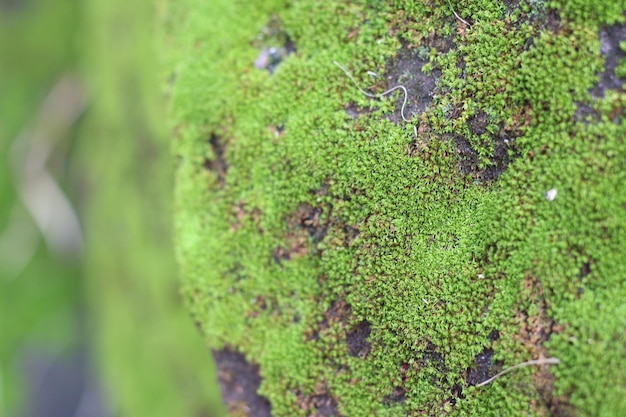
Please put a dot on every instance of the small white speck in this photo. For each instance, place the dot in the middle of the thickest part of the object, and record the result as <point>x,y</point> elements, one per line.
<point>551,194</point>
<point>263,60</point>
<point>481,276</point>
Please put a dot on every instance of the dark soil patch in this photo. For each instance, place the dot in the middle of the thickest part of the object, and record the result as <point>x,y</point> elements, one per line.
<point>241,212</point>
<point>218,164</point>
<point>355,111</point>
<point>239,382</point>
<point>277,130</point>
<point>585,270</point>
<point>478,123</point>
<point>338,313</point>
<point>296,248</point>
<point>470,161</point>
<point>545,19</point>
<point>350,234</point>
<point>308,218</point>
<point>406,69</point>
<point>356,338</point>
<point>511,5</point>
<point>503,143</point>
<point>610,37</point>
<point>561,407</point>
<point>436,41</point>
<point>12,6</point>
<point>585,113</point>
<point>457,392</point>
<point>479,371</point>
<point>398,395</point>
<point>304,228</point>
<point>540,17</point>
<point>533,332</point>
<point>319,404</point>
<point>431,357</point>
<point>494,335</point>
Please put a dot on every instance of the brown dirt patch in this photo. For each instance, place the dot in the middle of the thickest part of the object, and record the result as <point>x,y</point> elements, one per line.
<point>504,145</point>
<point>398,395</point>
<point>480,370</point>
<point>356,338</point>
<point>218,164</point>
<point>321,403</point>
<point>533,332</point>
<point>406,69</point>
<point>239,382</point>
<point>240,211</point>
<point>304,228</point>
<point>338,314</point>
<point>432,357</point>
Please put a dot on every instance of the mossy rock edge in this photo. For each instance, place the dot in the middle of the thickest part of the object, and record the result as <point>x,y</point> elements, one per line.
<point>340,260</point>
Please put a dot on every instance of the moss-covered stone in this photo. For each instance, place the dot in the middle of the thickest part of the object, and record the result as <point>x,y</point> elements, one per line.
<point>372,266</point>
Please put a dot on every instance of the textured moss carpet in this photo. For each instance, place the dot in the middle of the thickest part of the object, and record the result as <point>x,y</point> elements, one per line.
<point>352,256</point>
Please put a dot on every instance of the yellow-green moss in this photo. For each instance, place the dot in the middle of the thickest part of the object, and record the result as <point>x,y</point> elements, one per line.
<point>445,255</point>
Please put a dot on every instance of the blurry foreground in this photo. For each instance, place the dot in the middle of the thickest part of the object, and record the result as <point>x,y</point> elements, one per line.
<point>90,319</point>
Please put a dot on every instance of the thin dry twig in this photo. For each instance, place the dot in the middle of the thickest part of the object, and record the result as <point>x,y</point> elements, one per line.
<point>392,89</point>
<point>546,361</point>
<point>457,16</point>
<point>397,87</point>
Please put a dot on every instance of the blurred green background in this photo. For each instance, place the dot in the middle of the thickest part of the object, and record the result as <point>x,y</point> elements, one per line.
<point>91,322</point>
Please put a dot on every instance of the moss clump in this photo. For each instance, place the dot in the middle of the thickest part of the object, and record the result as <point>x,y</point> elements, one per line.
<point>368,270</point>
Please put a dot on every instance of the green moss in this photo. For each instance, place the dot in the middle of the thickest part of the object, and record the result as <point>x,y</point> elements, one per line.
<point>591,12</point>
<point>153,361</point>
<point>431,256</point>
